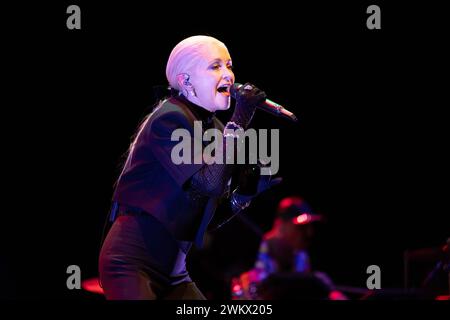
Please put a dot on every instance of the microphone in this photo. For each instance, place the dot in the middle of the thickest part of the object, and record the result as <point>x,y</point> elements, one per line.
<point>267,106</point>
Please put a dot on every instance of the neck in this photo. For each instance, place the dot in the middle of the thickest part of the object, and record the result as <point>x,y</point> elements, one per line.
<point>202,113</point>
<point>195,101</point>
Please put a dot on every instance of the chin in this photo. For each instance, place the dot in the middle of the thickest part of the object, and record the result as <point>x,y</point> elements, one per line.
<point>226,107</point>
<point>223,106</point>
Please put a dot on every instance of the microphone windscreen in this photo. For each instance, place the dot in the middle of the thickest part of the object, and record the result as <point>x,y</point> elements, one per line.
<point>234,89</point>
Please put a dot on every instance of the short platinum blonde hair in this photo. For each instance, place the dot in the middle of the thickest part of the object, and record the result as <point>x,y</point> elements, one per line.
<point>185,55</point>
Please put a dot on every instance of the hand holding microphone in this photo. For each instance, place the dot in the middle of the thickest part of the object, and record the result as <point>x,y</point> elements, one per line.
<point>247,98</point>
<point>249,94</point>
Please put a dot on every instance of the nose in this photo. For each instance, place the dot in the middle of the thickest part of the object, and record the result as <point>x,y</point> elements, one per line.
<point>228,75</point>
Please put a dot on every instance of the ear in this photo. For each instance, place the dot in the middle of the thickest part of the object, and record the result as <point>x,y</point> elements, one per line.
<point>183,81</point>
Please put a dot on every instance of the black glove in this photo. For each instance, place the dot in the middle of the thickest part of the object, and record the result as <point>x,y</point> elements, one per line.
<point>251,184</point>
<point>247,98</point>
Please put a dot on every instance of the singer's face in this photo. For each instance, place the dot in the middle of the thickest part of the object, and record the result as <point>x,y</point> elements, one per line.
<point>211,78</point>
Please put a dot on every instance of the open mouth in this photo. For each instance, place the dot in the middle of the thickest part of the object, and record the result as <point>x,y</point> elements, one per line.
<point>224,89</point>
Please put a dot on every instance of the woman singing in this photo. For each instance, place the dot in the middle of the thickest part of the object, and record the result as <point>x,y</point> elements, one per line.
<point>160,208</point>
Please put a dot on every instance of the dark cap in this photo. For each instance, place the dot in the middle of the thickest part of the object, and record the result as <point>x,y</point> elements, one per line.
<point>298,210</point>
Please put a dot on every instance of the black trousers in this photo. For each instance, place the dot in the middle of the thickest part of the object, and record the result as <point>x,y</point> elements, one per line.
<point>140,260</point>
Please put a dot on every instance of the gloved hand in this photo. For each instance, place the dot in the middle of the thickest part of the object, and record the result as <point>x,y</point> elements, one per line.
<point>251,184</point>
<point>247,98</point>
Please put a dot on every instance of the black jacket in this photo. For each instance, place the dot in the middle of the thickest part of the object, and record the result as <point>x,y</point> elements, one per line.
<point>152,182</point>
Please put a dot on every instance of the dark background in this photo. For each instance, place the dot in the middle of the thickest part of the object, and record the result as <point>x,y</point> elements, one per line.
<point>368,151</point>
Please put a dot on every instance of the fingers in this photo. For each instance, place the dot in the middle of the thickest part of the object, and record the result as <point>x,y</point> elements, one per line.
<point>251,92</point>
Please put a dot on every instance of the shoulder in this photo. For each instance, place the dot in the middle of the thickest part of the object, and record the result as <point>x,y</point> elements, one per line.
<point>171,114</point>
<point>173,108</point>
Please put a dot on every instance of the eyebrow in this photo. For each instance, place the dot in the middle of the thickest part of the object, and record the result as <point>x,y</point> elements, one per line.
<point>219,60</point>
